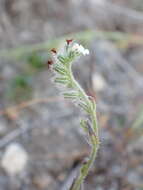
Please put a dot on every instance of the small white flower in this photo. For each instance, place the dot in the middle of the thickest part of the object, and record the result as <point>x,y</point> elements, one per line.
<point>79,49</point>
<point>86,52</point>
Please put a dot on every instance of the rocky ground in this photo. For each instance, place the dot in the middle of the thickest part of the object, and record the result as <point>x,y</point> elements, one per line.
<point>42,129</point>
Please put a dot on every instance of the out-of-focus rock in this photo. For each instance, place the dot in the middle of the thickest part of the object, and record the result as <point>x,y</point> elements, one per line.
<point>135,57</point>
<point>2,128</point>
<point>100,2</point>
<point>14,159</point>
<point>130,4</point>
<point>136,145</point>
<point>43,181</point>
<point>98,82</point>
<point>8,71</point>
<point>134,178</point>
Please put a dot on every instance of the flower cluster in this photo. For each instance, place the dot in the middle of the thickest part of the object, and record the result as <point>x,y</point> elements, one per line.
<point>63,61</point>
<point>71,51</point>
<point>79,49</point>
<point>63,73</point>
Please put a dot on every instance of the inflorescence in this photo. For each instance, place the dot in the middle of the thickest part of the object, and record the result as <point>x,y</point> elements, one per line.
<point>61,64</point>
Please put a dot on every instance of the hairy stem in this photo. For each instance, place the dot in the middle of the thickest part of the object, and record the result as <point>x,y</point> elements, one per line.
<point>84,170</point>
<point>94,139</point>
<point>64,76</point>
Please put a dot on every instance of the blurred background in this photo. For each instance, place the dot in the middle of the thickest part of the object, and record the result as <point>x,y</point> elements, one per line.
<point>41,144</point>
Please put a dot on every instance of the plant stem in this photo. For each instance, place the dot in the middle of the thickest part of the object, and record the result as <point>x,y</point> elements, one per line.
<point>64,75</point>
<point>95,142</point>
<point>83,175</point>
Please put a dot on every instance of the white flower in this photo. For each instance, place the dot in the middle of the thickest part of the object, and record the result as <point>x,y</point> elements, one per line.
<point>86,52</point>
<point>79,49</point>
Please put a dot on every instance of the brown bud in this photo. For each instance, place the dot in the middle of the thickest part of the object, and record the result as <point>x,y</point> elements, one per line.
<point>54,51</point>
<point>49,62</point>
<point>69,41</point>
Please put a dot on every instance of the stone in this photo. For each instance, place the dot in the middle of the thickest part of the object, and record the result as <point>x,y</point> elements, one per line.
<point>14,159</point>
<point>98,82</point>
<point>3,128</point>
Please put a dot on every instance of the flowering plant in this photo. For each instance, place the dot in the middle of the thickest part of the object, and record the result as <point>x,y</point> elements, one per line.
<point>62,66</point>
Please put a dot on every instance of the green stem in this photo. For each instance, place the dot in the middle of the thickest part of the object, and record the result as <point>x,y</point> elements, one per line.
<point>86,99</point>
<point>94,137</point>
<point>85,169</point>
<point>88,105</point>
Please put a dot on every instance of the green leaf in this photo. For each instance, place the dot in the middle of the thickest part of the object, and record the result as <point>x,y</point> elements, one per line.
<point>70,95</point>
<point>83,124</point>
<point>85,107</point>
<point>62,59</point>
<point>61,80</point>
<point>60,70</point>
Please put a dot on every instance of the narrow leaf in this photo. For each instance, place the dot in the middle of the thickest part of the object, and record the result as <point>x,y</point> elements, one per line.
<point>84,106</point>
